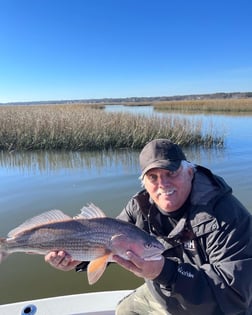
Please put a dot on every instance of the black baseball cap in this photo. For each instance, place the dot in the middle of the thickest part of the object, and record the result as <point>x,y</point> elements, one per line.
<point>161,153</point>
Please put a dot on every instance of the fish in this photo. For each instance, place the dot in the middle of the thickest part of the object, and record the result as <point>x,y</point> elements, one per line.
<point>89,236</point>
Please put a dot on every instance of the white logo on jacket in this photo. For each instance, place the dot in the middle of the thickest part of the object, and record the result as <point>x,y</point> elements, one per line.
<point>189,245</point>
<point>185,273</point>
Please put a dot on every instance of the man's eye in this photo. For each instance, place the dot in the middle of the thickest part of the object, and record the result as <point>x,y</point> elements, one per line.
<point>152,177</point>
<point>172,174</point>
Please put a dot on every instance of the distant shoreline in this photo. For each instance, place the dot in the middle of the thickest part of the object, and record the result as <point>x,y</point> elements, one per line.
<point>200,105</point>
<point>138,100</point>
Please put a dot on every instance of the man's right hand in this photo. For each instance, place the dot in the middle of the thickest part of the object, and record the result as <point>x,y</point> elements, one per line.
<point>61,260</point>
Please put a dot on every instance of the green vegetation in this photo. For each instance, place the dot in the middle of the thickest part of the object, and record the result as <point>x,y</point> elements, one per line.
<point>78,127</point>
<point>207,105</point>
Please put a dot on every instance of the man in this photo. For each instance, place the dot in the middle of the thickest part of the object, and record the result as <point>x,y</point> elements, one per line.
<point>207,265</point>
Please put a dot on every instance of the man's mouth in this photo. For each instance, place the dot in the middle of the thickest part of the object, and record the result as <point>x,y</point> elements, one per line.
<point>167,192</point>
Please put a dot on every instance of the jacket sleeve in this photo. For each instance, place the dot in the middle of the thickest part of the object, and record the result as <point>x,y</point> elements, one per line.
<point>224,283</point>
<point>82,266</point>
<point>128,214</point>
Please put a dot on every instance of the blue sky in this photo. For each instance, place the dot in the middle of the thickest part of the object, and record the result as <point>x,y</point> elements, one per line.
<point>81,49</point>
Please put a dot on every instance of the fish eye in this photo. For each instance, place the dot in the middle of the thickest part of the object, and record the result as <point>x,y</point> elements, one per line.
<point>147,245</point>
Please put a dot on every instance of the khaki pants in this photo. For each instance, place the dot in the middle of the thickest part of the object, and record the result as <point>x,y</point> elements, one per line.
<point>140,302</point>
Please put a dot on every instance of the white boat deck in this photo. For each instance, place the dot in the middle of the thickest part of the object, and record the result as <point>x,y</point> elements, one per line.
<point>97,303</point>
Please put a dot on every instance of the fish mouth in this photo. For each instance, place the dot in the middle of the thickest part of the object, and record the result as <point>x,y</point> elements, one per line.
<point>157,256</point>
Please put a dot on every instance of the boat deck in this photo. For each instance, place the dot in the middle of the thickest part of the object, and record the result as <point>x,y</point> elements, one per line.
<point>97,303</point>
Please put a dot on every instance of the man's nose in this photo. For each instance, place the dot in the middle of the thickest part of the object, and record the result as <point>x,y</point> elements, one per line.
<point>163,181</point>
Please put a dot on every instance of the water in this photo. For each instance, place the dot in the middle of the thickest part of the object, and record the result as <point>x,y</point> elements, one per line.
<point>35,182</point>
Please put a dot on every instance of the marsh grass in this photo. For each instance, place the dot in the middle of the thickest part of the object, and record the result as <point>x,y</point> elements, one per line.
<point>207,105</point>
<point>76,127</point>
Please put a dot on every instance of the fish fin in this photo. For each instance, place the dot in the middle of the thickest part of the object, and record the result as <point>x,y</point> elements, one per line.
<point>3,252</point>
<point>89,212</point>
<point>43,218</point>
<point>96,268</point>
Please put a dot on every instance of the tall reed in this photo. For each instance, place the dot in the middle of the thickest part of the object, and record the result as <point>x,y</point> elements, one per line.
<point>67,127</point>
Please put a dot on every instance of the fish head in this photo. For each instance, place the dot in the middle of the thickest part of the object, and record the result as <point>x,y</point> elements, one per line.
<point>146,247</point>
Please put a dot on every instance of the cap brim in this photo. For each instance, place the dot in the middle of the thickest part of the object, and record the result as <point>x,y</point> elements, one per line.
<point>164,164</point>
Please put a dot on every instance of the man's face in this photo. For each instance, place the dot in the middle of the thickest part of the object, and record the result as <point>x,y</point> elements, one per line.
<point>169,190</point>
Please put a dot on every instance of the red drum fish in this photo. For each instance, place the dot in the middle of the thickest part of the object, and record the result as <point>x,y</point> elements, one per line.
<point>90,236</point>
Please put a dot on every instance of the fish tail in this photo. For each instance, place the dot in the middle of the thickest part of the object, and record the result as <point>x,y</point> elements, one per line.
<point>3,252</point>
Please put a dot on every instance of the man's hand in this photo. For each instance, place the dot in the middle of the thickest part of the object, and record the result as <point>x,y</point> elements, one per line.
<point>61,260</point>
<point>140,267</point>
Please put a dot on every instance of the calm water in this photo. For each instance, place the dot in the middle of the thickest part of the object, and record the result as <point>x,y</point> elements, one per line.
<point>35,182</point>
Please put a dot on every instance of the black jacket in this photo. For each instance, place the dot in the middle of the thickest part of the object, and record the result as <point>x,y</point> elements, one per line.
<point>208,266</point>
